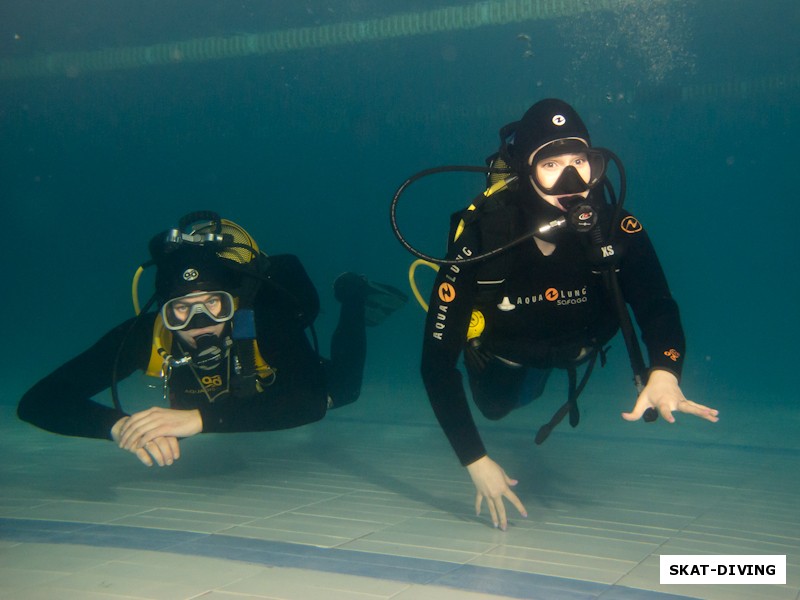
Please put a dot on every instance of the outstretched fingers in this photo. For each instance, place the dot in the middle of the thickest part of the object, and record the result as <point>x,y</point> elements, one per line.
<point>512,497</point>
<point>493,484</point>
<point>478,503</point>
<point>497,507</point>
<point>699,410</point>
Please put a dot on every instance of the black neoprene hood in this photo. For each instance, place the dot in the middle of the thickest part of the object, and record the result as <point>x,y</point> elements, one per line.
<point>189,269</point>
<point>546,121</point>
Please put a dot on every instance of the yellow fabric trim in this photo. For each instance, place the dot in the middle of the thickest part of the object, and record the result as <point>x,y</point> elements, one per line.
<point>162,340</point>
<point>493,189</point>
<point>262,368</point>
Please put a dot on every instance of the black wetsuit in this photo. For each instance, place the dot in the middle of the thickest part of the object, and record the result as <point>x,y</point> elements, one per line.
<point>540,313</point>
<point>62,401</point>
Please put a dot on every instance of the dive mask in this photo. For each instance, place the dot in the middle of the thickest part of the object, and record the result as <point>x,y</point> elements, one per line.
<point>566,166</point>
<point>199,309</point>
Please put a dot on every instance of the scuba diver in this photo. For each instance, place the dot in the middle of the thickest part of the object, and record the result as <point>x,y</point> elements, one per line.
<point>538,273</point>
<point>229,341</point>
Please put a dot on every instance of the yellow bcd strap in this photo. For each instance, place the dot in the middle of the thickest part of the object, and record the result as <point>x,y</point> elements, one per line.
<point>262,368</point>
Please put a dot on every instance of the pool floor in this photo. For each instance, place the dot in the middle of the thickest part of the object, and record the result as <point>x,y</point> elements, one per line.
<point>363,505</point>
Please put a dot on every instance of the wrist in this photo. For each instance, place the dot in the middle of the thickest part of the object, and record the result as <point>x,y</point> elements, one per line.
<point>659,375</point>
<point>478,462</point>
<point>198,421</point>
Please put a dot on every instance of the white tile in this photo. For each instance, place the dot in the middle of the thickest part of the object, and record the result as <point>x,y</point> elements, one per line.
<point>183,520</point>
<point>63,558</point>
<point>430,540</point>
<point>367,544</point>
<point>81,512</point>
<point>295,584</point>
<point>313,538</point>
<point>13,581</point>
<point>418,592</point>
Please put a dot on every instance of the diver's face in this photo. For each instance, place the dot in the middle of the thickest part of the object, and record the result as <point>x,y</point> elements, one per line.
<point>546,173</point>
<point>181,309</point>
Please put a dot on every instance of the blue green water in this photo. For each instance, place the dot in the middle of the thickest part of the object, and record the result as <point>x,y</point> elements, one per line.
<point>305,149</point>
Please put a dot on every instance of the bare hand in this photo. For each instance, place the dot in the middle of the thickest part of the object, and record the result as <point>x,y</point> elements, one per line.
<point>145,426</point>
<point>664,395</point>
<point>493,484</point>
<point>163,450</point>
